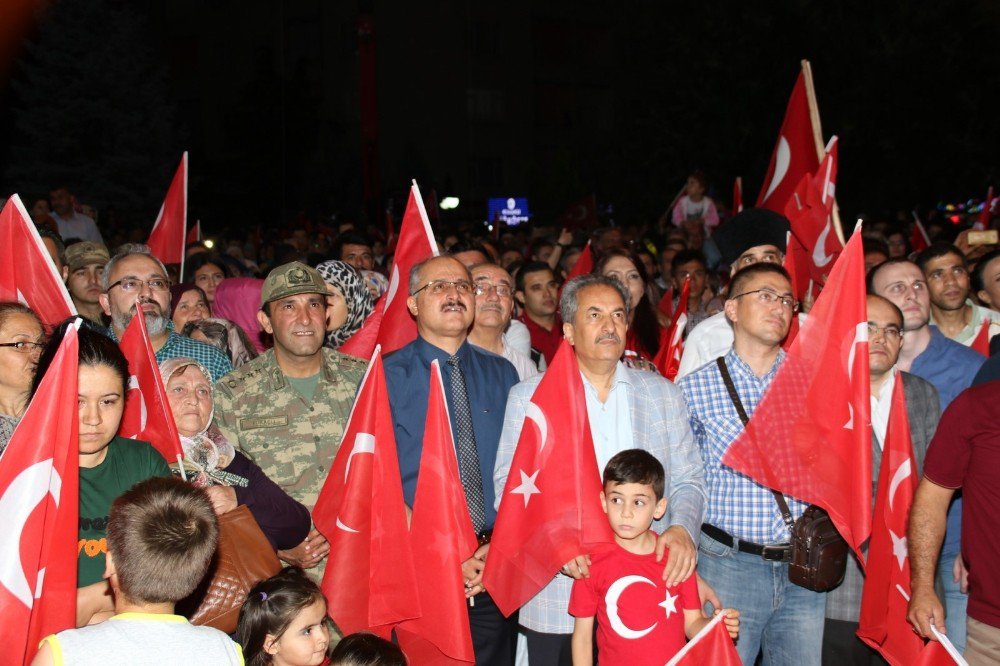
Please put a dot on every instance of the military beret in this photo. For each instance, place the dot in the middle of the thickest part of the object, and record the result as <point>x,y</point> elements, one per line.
<point>289,280</point>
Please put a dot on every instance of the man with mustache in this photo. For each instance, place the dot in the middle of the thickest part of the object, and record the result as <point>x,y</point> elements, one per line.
<point>494,291</point>
<point>744,540</point>
<point>627,409</point>
<point>134,279</point>
<point>476,382</point>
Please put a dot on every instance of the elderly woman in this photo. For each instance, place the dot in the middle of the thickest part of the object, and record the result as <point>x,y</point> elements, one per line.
<point>187,303</point>
<point>21,342</point>
<point>225,336</point>
<point>229,477</point>
<point>349,300</point>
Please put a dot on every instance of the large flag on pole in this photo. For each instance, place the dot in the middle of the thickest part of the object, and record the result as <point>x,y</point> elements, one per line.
<point>396,327</point>
<point>883,623</point>
<point>668,359</point>
<point>370,580</point>
<point>169,234</point>
<point>810,436</point>
<point>27,273</point>
<point>147,411</point>
<point>810,213</point>
<point>550,510</point>
<point>442,537</point>
<point>39,511</point>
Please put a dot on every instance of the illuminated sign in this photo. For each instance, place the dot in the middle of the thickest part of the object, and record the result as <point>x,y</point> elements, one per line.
<point>509,210</point>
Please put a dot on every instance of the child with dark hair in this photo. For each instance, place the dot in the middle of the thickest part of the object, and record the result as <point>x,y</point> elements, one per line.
<point>162,535</point>
<point>283,622</point>
<point>364,649</point>
<point>640,620</point>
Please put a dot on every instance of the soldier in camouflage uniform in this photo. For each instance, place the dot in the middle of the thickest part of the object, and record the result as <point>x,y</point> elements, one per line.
<point>287,408</point>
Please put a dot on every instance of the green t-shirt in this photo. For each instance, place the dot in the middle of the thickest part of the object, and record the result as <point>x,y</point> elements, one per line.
<point>128,462</point>
<point>306,386</point>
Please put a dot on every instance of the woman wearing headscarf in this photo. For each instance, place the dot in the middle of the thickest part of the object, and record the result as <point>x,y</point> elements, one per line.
<point>238,300</point>
<point>349,300</point>
<point>228,476</point>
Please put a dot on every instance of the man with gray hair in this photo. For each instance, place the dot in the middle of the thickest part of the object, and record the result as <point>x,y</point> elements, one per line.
<point>135,279</point>
<point>627,409</point>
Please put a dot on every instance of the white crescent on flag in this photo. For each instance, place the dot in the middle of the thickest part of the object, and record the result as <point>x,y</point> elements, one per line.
<point>23,495</point>
<point>783,159</point>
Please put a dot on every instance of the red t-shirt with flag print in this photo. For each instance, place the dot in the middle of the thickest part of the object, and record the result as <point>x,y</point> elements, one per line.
<point>639,619</point>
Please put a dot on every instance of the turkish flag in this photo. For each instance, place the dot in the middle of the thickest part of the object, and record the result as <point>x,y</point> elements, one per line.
<point>794,155</point>
<point>416,243</point>
<point>712,645</point>
<point>810,436</point>
<point>39,511</point>
<point>666,304</point>
<point>442,537</point>
<point>737,196</point>
<point>810,213</point>
<point>370,579</point>
<point>194,235</point>
<point>919,240</point>
<point>364,341</point>
<point>668,359</point>
<point>939,652</point>
<point>147,412</point>
<point>580,215</point>
<point>797,266</point>
<point>27,273</point>
<point>584,263</point>
<point>169,234</point>
<point>981,342</point>
<point>883,623</point>
<point>550,510</point>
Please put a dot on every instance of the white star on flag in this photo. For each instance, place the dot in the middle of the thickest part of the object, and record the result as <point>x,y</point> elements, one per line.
<point>898,548</point>
<point>669,604</point>
<point>527,487</point>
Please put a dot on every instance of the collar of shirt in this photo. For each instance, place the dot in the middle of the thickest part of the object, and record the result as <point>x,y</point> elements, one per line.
<point>881,406</point>
<point>429,352</point>
<point>741,367</point>
<point>611,420</point>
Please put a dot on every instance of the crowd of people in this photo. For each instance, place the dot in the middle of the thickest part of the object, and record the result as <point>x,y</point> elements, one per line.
<point>247,342</point>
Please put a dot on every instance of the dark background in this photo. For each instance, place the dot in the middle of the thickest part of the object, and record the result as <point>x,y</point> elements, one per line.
<point>552,100</point>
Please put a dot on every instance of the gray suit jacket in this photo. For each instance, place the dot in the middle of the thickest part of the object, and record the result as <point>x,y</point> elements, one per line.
<point>923,410</point>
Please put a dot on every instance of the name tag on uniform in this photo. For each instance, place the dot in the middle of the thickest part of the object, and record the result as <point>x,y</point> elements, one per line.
<point>263,422</point>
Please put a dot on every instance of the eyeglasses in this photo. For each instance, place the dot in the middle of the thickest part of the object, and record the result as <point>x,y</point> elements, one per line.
<point>502,290</point>
<point>129,285</point>
<point>438,287</point>
<point>24,347</point>
<point>890,333</point>
<point>768,297</point>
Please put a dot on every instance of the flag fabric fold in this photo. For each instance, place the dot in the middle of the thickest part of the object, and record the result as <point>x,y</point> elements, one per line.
<point>981,341</point>
<point>27,273</point>
<point>39,510</point>
<point>550,510</point>
<point>810,436</point>
<point>810,214</point>
<point>147,411</point>
<point>712,645</point>
<point>883,624</point>
<point>584,263</point>
<point>940,652</point>
<point>194,235</point>
<point>370,579</point>
<point>442,537</point>
<point>169,234</point>
<point>737,196</point>
<point>668,358</point>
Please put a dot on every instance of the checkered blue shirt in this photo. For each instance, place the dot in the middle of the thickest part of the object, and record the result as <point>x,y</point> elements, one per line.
<point>736,504</point>
<point>213,360</point>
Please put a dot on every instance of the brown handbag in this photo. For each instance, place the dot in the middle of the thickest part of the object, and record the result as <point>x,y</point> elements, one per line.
<point>818,558</point>
<point>244,557</point>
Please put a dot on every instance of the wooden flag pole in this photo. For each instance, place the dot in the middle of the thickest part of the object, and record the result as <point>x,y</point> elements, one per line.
<point>818,138</point>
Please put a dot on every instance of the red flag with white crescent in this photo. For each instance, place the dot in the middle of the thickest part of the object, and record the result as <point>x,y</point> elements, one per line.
<point>27,273</point>
<point>580,215</point>
<point>39,511</point>
<point>810,213</point>
<point>584,263</point>
<point>169,234</point>
<point>370,579</point>
<point>442,537</point>
<point>550,510</point>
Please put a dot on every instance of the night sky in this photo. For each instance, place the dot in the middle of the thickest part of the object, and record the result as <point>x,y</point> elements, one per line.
<point>329,108</point>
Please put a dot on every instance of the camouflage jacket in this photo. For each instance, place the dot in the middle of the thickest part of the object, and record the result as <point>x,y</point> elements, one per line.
<point>293,440</point>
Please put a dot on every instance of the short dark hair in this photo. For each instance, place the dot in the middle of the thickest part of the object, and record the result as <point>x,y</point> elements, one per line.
<point>700,176</point>
<point>200,260</point>
<point>979,275</point>
<point>365,649</point>
<point>636,466</point>
<point>45,232</point>
<point>531,267</point>
<point>870,278</point>
<point>162,535</point>
<point>687,256</point>
<point>871,244</point>
<point>890,304</point>
<point>466,245</point>
<point>747,273</point>
<point>349,238</point>
<point>938,249</point>
<point>270,607</point>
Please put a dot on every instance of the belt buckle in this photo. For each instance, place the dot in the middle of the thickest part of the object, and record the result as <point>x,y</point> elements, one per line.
<point>777,552</point>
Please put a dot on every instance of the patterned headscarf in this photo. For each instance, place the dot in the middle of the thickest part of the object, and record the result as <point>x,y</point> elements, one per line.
<point>359,300</point>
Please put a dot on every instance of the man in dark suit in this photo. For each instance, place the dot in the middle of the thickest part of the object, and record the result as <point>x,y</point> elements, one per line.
<point>885,337</point>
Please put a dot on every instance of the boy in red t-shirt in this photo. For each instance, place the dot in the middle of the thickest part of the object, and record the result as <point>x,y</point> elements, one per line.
<point>639,619</point>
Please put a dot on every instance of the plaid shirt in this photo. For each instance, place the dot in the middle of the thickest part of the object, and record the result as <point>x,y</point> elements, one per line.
<point>736,504</point>
<point>217,363</point>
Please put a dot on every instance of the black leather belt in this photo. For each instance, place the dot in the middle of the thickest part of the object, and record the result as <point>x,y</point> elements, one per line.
<point>776,552</point>
<point>484,537</point>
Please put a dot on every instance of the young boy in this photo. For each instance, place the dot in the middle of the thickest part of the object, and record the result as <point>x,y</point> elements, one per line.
<point>162,535</point>
<point>639,619</point>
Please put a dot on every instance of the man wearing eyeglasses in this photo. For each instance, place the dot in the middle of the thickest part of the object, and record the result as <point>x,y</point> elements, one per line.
<point>744,540</point>
<point>135,279</point>
<point>950,367</point>
<point>494,290</point>
<point>947,275</point>
<point>885,338</point>
<point>476,382</point>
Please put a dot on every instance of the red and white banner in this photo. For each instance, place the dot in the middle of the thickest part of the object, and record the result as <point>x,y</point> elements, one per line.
<point>580,215</point>
<point>27,273</point>
<point>169,234</point>
<point>668,359</point>
<point>810,213</point>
